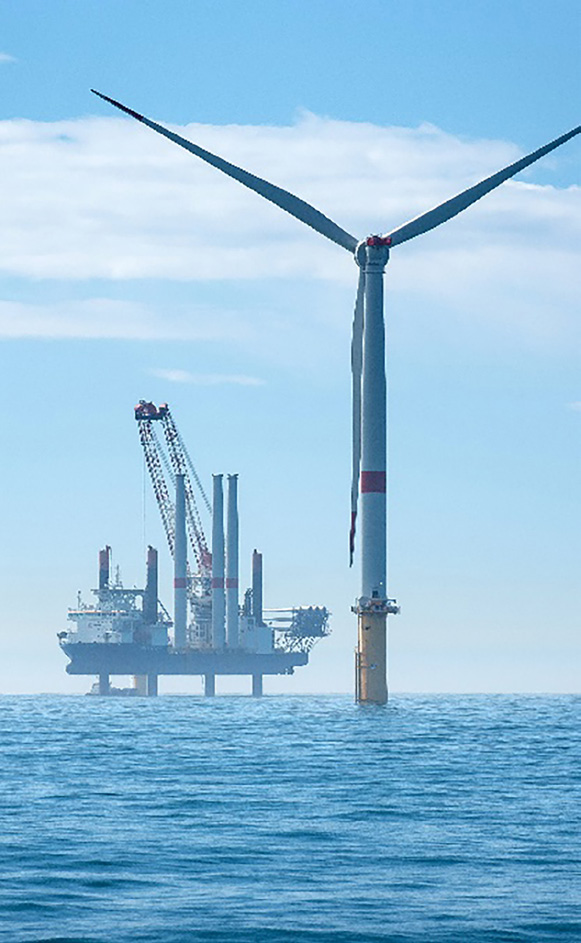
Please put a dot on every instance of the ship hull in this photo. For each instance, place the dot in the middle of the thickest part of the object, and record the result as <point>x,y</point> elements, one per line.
<point>90,658</point>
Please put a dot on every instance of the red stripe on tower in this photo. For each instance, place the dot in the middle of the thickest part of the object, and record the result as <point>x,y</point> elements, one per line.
<point>231,583</point>
<point>373,481</point>
<point>218,582</point>
<point>179,583</point>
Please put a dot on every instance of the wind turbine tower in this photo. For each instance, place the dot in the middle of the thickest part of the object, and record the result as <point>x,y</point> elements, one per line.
<point>369,382</point>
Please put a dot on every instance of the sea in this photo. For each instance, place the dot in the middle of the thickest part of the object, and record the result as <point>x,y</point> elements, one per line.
<point>448,819</point>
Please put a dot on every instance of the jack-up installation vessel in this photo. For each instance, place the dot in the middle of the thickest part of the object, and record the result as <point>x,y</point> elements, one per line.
<point>129,632</point>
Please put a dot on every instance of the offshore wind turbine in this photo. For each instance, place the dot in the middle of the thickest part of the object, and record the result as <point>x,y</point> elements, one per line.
<point>369,382</point>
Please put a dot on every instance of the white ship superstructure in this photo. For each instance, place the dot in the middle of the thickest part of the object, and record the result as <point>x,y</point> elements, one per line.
<point>120,616</point>
<point>119,626</point>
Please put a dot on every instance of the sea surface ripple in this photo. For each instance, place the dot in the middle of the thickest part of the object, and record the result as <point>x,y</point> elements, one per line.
<point>450,819</point>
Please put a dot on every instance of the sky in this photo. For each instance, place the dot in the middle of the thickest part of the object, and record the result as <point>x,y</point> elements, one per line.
<point>130,270</point>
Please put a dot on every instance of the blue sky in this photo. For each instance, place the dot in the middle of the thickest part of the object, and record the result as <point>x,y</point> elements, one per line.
<point>130,270</point>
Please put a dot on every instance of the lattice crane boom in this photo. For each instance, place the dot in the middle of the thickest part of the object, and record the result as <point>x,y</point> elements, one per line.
<point>176,462</point>
<point>153,462</point>
<point>181,465</point>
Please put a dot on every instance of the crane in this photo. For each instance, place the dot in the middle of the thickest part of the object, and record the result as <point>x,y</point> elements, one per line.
<point>163,464</point>
<point>294,629</point>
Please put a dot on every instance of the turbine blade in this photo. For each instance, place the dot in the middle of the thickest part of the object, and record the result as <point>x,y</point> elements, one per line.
<point>356,372</point>
<point>445,211</point>
<point>282,198</point>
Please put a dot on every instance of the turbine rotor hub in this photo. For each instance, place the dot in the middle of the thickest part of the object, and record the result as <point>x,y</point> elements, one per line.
<point>372,254</point>
<point>372,251</point>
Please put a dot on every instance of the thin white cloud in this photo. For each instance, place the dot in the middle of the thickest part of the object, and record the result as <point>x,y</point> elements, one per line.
<point>105,198</point>
<point>110,318</point>
<point>274,336</point>
<point>206,379</point>
<point>5,57</point>
<point>575,406</point>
